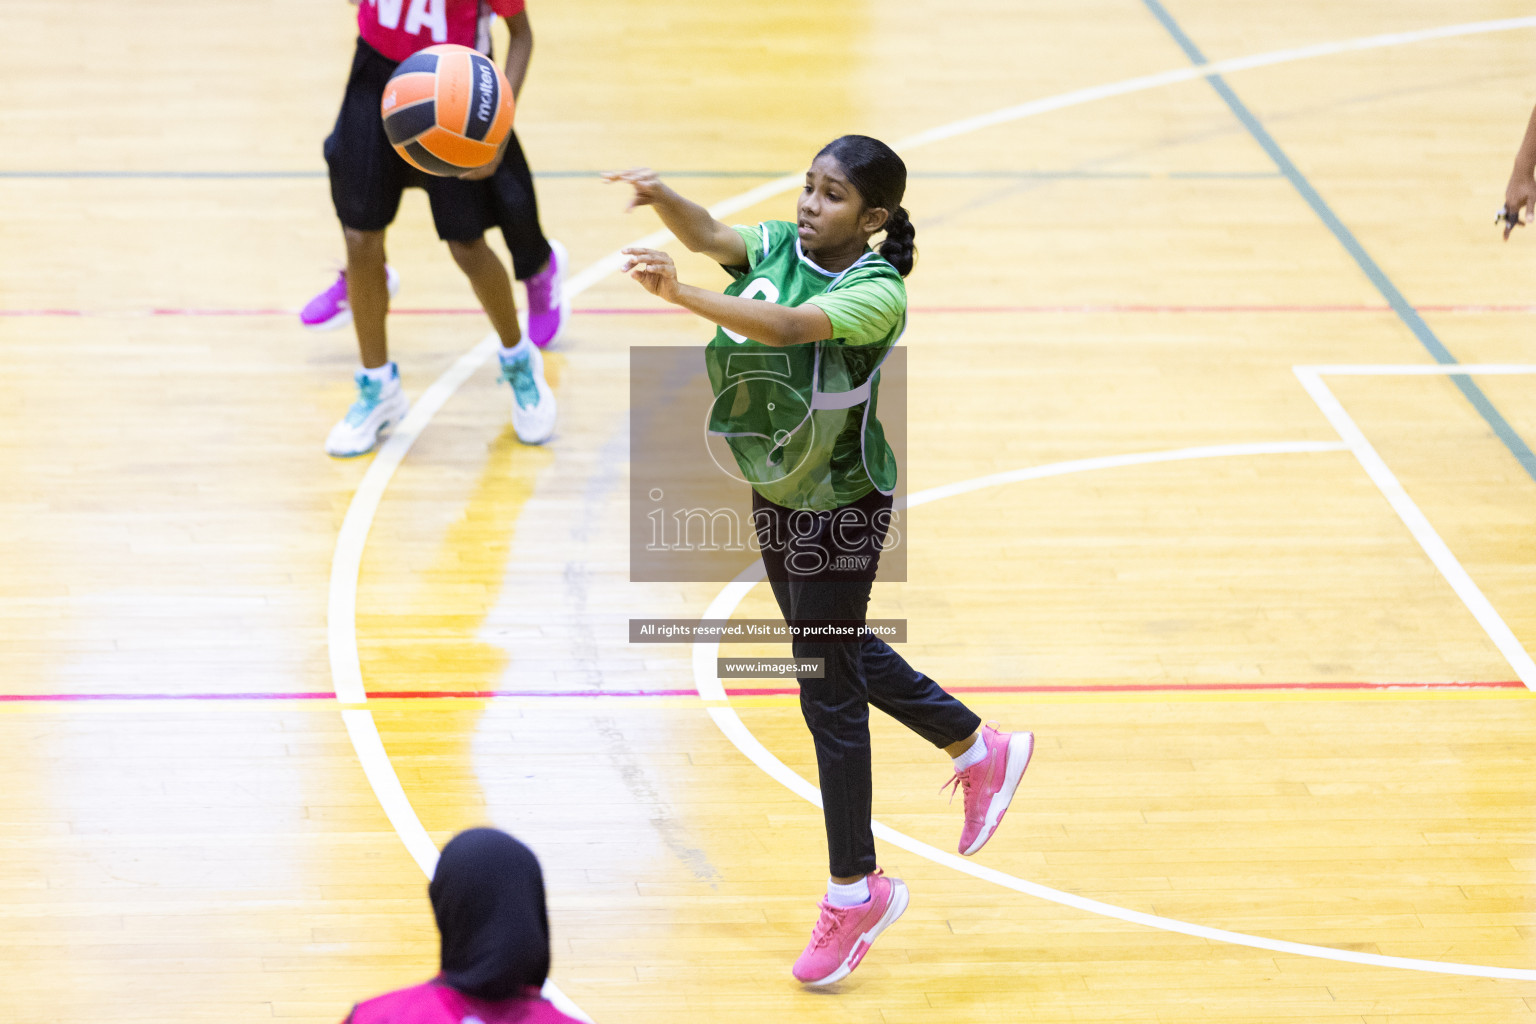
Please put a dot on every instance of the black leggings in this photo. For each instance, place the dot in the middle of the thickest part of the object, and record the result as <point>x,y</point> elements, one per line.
<point>858,673</point>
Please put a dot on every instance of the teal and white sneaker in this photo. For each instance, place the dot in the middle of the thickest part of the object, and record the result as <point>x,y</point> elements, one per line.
<point>533,403</point>
<point>380,404</point>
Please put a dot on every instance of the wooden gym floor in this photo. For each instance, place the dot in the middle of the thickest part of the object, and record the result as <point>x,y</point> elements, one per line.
<point>1273,641</point>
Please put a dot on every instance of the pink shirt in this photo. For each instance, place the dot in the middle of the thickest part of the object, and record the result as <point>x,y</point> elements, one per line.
<point>436,1003</point>
<point>398,28</point>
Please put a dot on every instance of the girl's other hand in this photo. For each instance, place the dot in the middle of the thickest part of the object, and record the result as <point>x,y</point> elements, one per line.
<point>1519,197</point>
<point>481,173</point>
<point>646,183</point>
<point>654,270</point>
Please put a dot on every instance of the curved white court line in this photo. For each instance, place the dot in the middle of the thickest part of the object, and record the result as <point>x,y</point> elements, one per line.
<point>341,618</point>
<point>725,602</point>
<point>712,689</point>
<point>1221,67</point>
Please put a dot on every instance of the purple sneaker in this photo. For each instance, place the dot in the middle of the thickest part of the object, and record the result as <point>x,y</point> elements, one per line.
<point>548,307</point>
<point>330,310</point>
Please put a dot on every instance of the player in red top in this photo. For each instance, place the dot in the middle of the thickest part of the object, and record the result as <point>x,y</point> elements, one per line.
<point>398,28</point>
<point>367,178</point>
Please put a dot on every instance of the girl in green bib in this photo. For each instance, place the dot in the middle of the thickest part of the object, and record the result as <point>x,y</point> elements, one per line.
<point>800,335</point>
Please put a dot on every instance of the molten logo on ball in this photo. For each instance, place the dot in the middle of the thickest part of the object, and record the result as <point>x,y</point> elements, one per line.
<point>487,90</point>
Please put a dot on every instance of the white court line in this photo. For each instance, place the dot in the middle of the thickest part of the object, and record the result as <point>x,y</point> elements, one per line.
<point>386,786</point>
<point>704,667</point>
<point>341,619</point>
<point>1214,451</point>
<point>711,688</point>
<point>1439,553</point>
<point>1420,369</point>
<point>346,559</point>
<point>1222,67</point>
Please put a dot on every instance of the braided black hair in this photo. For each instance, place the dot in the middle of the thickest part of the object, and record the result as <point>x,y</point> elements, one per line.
<point>880,177</point>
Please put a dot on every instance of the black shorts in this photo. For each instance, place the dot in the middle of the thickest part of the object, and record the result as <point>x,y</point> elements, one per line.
<point>368,176</point>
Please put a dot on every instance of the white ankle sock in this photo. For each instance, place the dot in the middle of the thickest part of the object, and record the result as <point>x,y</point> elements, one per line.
<point>975,755</point>
<point>508,354</point>
<point>382,374</point>
<point>850,895</point>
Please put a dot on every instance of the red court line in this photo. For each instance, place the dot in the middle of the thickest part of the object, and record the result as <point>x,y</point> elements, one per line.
<point>264,695</point>
<point>1067,308</point>
<point>764,691</point>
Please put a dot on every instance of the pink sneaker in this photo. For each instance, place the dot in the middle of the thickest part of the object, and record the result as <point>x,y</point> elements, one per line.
<point>989,784</point>
<point>844,934</point>
<point>330,310</point>
<point>548,308</point>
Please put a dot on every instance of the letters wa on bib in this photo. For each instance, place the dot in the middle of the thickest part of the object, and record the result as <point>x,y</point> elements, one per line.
<point>399,28</point>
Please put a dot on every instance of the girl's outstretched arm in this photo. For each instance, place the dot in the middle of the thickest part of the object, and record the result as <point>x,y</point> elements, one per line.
<point>691,223</point>
<point>767,322</point>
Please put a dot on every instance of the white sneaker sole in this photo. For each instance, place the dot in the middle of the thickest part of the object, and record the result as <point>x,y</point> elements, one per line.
<point>390,412</point>
<point>1021,747</point>
<point>898,906</point>
<point>341,319</point>
<point>536,433</point>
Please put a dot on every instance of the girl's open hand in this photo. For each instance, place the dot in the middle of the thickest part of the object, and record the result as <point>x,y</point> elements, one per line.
<point>647,185</point>
<point>654,270</point>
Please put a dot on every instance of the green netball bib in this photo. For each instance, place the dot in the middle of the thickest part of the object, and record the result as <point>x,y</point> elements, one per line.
<point>800,420</point>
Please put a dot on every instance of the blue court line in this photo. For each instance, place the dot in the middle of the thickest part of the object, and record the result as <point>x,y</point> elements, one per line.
<point>1405,312</point>
<point>1043,175</point>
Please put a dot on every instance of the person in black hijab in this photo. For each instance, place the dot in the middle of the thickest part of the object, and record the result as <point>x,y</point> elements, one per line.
<point>488,897</point>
